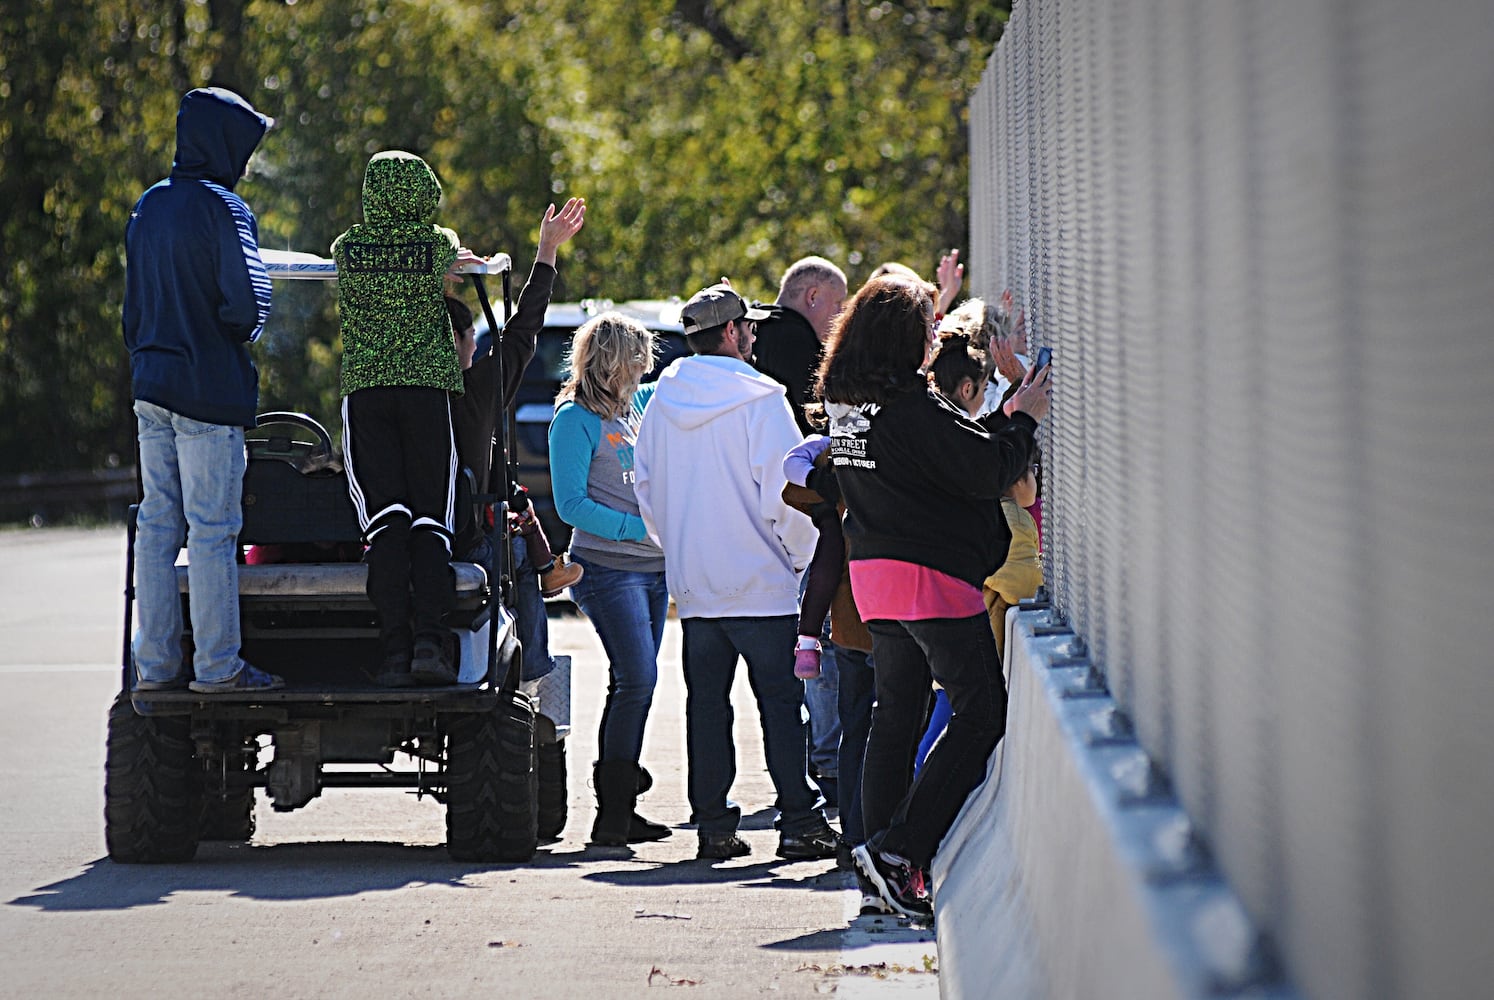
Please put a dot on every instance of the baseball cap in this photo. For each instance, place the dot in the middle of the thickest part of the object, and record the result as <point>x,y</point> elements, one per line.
<point>717,306</point>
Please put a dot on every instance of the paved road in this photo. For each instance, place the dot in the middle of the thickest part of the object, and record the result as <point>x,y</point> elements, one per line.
<point>354,896</point>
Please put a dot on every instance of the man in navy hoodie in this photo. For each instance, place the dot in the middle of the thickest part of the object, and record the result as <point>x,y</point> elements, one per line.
<point>196,295</point>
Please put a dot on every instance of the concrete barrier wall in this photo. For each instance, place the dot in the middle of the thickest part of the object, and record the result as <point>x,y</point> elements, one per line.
<point>1073,871</point>
<point>1258,238</point>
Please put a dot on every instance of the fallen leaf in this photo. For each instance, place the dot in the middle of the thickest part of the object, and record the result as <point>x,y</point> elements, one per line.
<point>668,979</point>
<point>639,915</point>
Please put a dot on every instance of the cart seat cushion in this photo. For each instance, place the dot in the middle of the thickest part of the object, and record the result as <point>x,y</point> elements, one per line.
<point>327,579</point>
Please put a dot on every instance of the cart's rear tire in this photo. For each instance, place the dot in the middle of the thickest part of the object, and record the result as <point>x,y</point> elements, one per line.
<point>228,814</point>
<point>152,789</point>
<point>552,782</point>
<point>492,784</point>
<point>230,818</point>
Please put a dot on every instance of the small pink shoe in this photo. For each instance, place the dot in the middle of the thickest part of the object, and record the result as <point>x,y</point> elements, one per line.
<point>807,658</point>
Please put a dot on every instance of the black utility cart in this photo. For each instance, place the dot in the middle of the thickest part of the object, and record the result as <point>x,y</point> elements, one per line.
<point>185,767</point>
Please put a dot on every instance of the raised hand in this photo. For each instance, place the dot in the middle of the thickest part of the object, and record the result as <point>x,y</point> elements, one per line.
<point>1003,353</point>
<point>951,275</point>
<point>1033,397</point>
<point>464,256</point>
<point>558,227</point>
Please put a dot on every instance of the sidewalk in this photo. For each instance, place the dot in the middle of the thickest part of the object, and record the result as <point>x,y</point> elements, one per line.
<point>354,896</point>
<point>880,956</point>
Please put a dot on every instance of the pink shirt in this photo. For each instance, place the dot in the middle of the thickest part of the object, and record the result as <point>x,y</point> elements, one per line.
<point>1036,510</point>
<point>904,591</point>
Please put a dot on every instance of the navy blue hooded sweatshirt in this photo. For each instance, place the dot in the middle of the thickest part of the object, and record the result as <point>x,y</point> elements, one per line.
<point>196,292</point>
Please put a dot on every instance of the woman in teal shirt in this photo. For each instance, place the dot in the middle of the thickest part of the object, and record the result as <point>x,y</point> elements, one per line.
<point>622,591</point>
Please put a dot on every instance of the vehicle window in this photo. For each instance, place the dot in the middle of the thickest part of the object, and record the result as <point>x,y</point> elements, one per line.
<point>671,346</point>
<point>549,362</point>
<point>553,346</point>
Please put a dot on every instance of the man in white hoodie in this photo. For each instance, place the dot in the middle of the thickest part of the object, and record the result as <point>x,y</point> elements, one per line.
<point>709,465</point>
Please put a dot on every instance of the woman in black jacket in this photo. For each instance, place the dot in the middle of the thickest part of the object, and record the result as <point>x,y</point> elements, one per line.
<point>922,484</point>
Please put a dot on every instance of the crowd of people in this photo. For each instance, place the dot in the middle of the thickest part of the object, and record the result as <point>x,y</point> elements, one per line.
<point>837,489</point>
<point>871,525</point>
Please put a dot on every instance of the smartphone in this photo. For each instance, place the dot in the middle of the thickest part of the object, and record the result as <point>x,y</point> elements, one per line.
<point>1044,359</point>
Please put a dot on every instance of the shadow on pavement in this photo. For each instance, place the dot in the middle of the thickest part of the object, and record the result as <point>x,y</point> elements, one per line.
<point>276,872</point>
<point>693,871</point>
<point>323,870</point>
<point>863,932</point>
<point>760,820</point>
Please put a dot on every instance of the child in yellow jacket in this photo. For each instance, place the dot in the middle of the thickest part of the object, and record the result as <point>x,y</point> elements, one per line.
<point>1022,574</point>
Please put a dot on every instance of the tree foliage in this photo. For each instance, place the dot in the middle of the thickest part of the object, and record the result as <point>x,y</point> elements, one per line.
<point>709,138</point>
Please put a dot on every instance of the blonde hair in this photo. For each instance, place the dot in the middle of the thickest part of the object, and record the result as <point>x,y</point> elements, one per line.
<point>976,320</point>
<point>609,356</point>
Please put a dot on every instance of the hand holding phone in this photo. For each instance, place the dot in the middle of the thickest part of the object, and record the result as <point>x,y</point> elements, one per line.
<point>1031,396</point>
<point>1043,360</point>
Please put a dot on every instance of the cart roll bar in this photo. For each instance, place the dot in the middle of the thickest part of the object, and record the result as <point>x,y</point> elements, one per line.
<point>502,459</point>
<point>284,264</point>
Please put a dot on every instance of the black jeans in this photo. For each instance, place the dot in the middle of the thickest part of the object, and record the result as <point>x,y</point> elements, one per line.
<point>711,649</point>
<point>857,691</point>
<point>961,654</point>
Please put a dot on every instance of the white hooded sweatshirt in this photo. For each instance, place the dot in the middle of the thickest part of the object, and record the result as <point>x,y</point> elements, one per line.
<point>709,463</point>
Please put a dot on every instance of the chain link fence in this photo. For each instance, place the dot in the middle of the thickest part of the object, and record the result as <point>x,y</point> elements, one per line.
<point>1260,240</point>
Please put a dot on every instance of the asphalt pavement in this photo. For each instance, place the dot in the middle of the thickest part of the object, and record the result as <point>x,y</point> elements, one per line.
<point>354,895</point>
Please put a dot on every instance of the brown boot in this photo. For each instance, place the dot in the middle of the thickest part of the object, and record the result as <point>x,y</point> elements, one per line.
<point>559,576</point>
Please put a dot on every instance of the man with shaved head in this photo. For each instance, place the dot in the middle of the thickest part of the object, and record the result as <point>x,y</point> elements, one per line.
<point>810,296</point>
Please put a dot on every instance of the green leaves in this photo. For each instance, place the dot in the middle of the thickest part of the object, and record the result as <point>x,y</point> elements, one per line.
<point>708,138</point>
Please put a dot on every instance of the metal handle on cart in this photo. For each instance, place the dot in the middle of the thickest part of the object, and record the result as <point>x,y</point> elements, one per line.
<point>502,459</point>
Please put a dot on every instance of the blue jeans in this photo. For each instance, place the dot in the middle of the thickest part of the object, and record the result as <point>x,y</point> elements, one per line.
<point>821,698</point>
<point>193,479</point>
<point>910,817</point>
<point>628,610</point>
<point>530,619</point>
<point>711,649</point>
<point>530,616</point>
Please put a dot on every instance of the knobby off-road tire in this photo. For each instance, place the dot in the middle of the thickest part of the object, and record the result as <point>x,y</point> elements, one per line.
<point>228,817</point>
<point>152,788</point>
<point>492,784</point>
<point>552,787</point>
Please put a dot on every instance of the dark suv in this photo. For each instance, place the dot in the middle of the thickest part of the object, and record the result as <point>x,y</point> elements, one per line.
<point>536,398</point>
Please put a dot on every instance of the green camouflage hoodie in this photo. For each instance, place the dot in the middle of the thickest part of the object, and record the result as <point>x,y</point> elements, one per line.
<point>395,330</point>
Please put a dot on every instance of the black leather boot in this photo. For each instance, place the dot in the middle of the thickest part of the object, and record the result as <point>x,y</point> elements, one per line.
<point>616,784</point>
<point>617,825</point>
<point>640,829</point>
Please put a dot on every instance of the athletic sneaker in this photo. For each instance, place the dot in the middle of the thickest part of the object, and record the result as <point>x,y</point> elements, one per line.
<point>394,671</point>
<point>430,665</point>
<point>817,842</point>
<point>871,900</point>
<point>717,846</point>
<point>247,679</point>
<point>901,886</point>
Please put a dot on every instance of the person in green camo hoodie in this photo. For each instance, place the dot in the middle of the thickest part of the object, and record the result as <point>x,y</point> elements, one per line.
<point>399,365</point>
